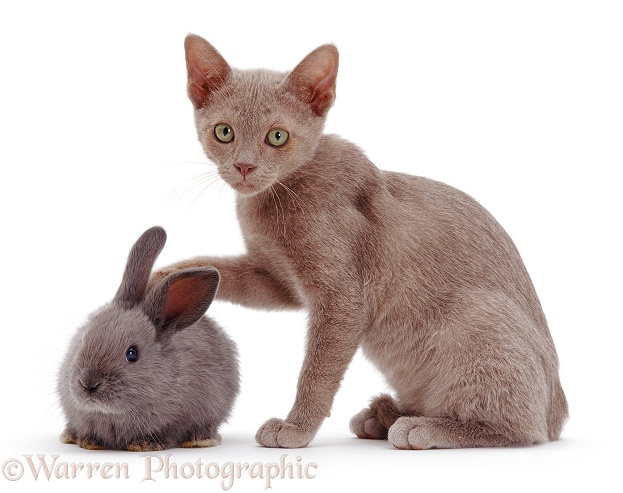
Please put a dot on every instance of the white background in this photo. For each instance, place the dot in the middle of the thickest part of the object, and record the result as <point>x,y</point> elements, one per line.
<point>519,104</point>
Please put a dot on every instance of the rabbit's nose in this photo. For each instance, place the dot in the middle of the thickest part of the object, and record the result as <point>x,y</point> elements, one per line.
<point>90,380</point>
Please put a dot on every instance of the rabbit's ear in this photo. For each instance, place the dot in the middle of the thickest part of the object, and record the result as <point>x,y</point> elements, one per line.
<point>181,298</point>
<point>138,268</point>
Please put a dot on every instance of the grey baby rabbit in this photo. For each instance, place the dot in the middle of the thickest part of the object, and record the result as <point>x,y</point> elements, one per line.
<point>148,371</point>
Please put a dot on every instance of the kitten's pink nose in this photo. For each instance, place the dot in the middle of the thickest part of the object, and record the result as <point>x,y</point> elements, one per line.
<point>244,169</point>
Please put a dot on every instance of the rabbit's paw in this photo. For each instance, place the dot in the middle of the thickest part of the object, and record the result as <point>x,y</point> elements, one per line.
<point>365,424</point>
<point>69,437</point>
<point>90,443</point>
<point>145,446</point>
<point>207,442</point>
<point>410,432</point>
<point>277,433</point>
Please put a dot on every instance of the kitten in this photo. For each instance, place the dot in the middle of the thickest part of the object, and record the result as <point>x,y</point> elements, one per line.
<point>414,272</point>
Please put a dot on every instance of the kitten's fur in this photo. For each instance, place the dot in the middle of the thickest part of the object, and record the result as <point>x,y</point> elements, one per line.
<point>413,271</point>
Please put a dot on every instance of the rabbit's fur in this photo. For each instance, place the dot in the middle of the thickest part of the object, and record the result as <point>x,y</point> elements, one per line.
<point>185,380</point>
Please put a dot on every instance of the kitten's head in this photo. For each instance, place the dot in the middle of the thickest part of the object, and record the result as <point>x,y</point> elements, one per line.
<point>259,126</point>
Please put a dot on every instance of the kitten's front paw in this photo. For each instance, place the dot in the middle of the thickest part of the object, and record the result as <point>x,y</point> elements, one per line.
<point>277,433</point>
<point>410,432</point>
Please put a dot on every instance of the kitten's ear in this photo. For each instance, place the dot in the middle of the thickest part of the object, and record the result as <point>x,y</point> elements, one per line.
<point>313,80</point>
<point>207,69</point>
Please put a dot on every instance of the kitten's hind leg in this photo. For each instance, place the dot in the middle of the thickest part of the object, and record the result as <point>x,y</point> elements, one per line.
<point>374,421</point>
<point>419,433</point>
<point>365,424</point>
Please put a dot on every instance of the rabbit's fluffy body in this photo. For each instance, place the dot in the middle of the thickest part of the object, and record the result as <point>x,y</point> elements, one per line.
<point>179,390</point>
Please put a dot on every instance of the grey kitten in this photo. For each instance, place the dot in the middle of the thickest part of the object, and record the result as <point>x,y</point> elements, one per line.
<point>148,371</point>
<point>415,272</point>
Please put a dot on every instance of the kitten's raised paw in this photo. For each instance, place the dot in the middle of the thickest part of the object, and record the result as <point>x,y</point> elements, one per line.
<point>366,425</point>
<point>277,433</point>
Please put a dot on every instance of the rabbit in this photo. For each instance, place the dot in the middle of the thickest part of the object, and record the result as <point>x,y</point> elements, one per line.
<point>148,371</point>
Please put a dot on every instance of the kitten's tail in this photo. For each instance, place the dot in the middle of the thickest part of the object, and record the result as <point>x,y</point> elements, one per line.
<point>558,411</point>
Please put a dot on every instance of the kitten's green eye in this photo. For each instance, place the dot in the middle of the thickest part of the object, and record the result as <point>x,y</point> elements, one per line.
<point>277,137</point>
<point>224,132</point>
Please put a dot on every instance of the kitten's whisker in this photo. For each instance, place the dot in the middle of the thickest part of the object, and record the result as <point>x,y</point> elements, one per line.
<point>273,194</point>
<point>208,185</point>
<point>284,220</point>
<point>193,183</point>
<point>295,198</point>
<point>192,179</point>
<point>189,163</point>
<point>204,186</point>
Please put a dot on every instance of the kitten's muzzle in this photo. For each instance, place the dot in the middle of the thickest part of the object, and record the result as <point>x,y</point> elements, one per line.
<point>244,169</point>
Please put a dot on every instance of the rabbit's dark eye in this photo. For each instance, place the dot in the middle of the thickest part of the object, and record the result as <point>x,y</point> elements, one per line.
<point>131,355</point>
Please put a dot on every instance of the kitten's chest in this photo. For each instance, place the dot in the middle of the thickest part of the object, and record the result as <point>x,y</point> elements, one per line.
<point>279,223</point>
<point>276,241</point>
<point>290,238</point>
